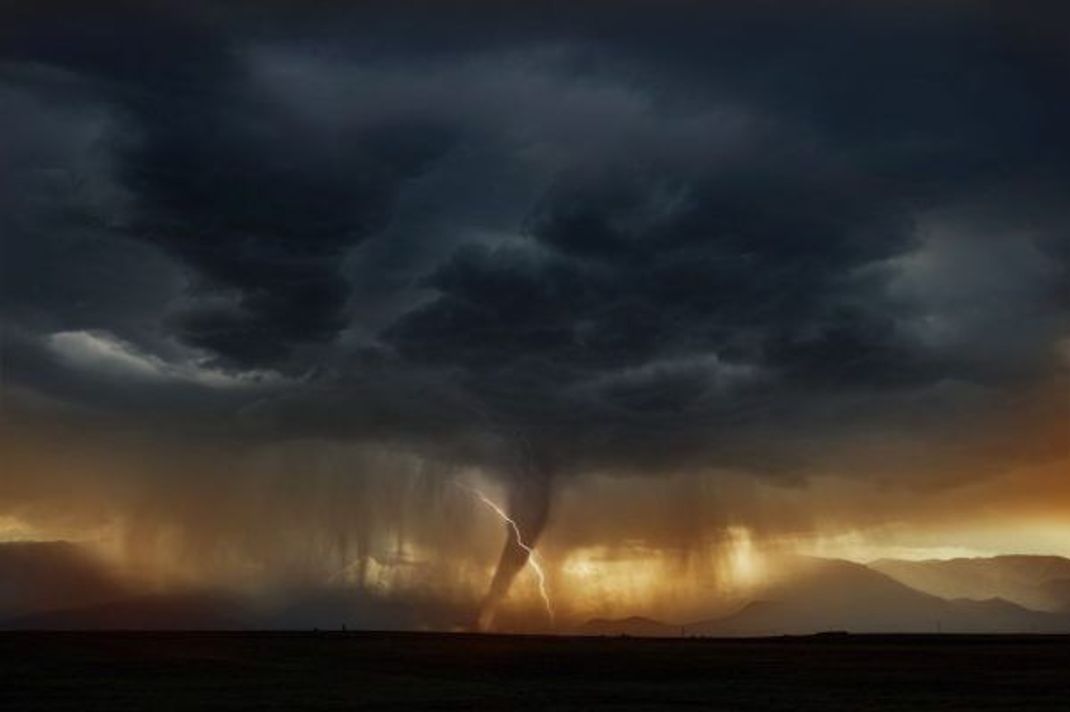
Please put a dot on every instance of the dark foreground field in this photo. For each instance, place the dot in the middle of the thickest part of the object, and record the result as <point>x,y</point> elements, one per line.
<point>290,671</point>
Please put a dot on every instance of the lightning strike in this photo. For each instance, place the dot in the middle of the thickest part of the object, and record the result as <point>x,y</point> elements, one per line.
<point>533,558</point>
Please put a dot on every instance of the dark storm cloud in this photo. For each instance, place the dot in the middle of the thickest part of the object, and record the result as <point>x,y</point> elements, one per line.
<point>259,207</point>
<point>641,237</point>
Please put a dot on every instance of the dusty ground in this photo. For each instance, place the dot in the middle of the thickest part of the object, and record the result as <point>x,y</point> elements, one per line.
<point>292,671</point>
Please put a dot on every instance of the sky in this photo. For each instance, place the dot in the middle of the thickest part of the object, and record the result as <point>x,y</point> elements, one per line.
<point>284,287</point>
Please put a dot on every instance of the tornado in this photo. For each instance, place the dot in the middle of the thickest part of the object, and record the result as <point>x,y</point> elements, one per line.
<point>528,506</point>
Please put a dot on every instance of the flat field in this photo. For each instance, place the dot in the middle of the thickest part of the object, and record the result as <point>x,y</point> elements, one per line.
<point>388,671</point>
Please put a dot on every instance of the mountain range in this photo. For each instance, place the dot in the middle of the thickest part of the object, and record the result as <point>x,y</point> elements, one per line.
<point>841,595</point>
<point>1040,582</point>
<point>52,575</point>
<point>818,595</point>
<point>56,585</point>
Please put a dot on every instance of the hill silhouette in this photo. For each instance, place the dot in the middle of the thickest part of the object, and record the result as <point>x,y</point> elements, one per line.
<point>819,595</point>
<point>1040,582</point>
<point>634,626</point>
<point>40,576</point>
<point>57,585</point>
<point>184,611</point>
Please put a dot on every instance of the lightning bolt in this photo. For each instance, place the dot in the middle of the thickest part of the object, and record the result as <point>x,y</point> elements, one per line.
<point>533,558</point>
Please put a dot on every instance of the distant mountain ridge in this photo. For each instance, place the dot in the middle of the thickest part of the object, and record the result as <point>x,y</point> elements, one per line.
<point>835,595</point>
<point>1039,582</point>
<point>635,626</point>
<point>182,611</point>
<point>57,585</point>
<point>47,575</point>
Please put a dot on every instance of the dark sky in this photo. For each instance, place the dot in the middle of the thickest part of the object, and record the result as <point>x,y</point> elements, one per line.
<point>546,238</point>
